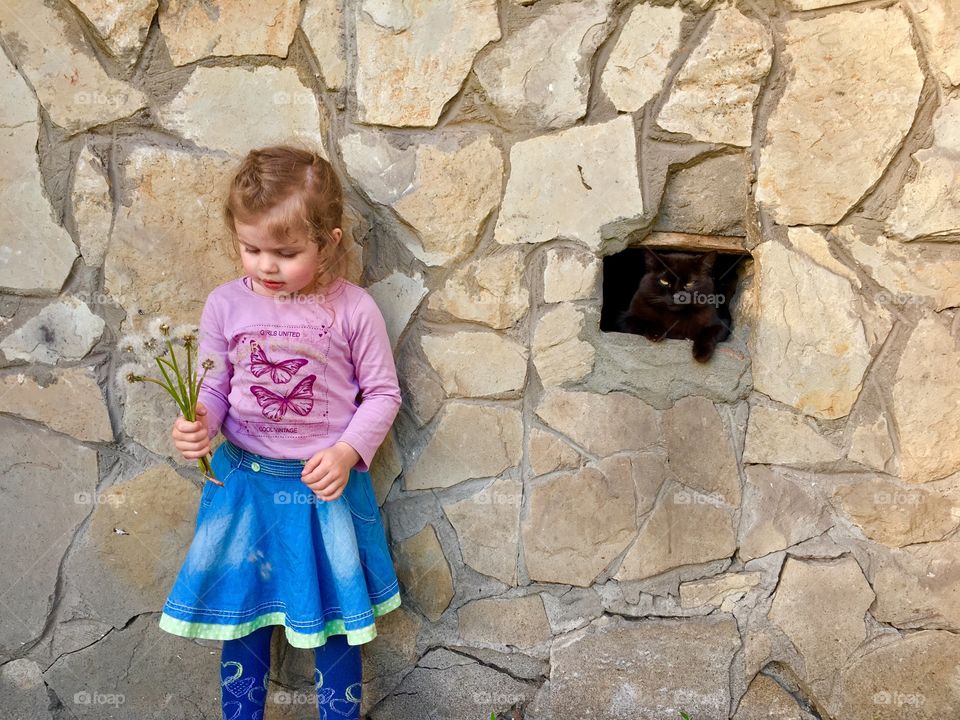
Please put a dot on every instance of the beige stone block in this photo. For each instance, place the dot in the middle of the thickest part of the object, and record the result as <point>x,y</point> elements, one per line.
<point>423,571</point>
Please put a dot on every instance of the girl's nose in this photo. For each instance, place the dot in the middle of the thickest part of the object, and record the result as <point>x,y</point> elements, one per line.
<point>267,265</point>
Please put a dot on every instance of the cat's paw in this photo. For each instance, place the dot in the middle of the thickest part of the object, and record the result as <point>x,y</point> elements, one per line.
<point>702,353</point>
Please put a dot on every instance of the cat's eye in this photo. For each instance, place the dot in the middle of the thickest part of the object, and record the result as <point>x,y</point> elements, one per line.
<point>664,282</point>
<point>689,285</point>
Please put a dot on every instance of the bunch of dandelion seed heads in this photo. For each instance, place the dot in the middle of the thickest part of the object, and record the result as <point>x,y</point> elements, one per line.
<point>158,343</point>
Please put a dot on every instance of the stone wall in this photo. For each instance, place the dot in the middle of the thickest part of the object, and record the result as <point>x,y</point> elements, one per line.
<point>585,523</point>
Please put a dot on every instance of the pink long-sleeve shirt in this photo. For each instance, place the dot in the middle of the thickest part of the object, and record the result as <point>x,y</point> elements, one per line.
<point>290,378</point>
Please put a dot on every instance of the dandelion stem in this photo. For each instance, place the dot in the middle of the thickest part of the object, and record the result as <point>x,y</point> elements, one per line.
<point>183,389</point>
<point>172,390</point>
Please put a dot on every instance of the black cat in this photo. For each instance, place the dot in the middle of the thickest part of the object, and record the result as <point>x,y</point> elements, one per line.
<point>675,299</point>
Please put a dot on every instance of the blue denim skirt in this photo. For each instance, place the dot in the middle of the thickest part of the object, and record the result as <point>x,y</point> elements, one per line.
<point>267,551</point>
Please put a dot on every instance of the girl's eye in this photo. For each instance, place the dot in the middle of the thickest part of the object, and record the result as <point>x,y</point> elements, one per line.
<point>288,256</point>
<point>252,251</point>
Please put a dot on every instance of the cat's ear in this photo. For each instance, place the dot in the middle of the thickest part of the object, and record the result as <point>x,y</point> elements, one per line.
<point>651,261</point>
<point>707,261</point>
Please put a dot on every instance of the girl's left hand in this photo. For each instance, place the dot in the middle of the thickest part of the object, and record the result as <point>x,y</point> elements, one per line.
<point>327,472</point>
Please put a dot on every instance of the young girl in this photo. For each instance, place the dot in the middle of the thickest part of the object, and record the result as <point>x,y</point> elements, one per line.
<point>304,389</point>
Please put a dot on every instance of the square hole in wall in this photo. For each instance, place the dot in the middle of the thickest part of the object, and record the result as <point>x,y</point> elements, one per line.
<point>673,287</point>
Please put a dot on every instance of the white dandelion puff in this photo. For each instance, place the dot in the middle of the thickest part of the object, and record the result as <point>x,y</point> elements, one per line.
<point>159,328</point>
<point>125,372</point>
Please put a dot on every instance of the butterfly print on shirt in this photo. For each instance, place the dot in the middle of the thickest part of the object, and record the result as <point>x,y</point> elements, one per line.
<point>280,371</point>
<point>275,406</point>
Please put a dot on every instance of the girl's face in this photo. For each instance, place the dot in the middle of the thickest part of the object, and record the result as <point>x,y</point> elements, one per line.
<point>278,269</point>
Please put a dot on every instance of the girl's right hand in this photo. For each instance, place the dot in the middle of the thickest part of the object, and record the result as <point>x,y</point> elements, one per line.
<point>192,439</point>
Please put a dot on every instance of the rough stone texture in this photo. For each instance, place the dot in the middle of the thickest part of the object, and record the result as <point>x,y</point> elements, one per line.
<point>825,639</point>
<point>70,402</point>
<point>127,664</point>
<point>615,669</point>
<point>517,622</point>
<point>777,512</point>
<point>926,207</point>
<point>662,373</point>
<point>766,700</point>
<point>44,46</point>
<point>323,24</point>
<point>576,523</point>
<point>860,69</point>
<point>780,437</point>
<point>412,57</point>
<point>497,507</point>
<point>637,66</point>
<point>809,346</point>
<point>870,444</point>
<point>120,575</point>
<point>713,95</point>
<point>722,591</point>
<point>913,677</point>
<point>816,4</point>
<point>168,241</point>
<point>909,271</point>
<point>546,452</point>
<point>92,208</point>
<point>700,452</point>
<point>558,353</point>
<point>540,74</point>
<point>122,26</point>
<point>195,30</point>
<point>896,515</point>
<point>37,253</point>
<point>419,384</point>
<point>450,686</point>
<point>470,441</point>
<point>24,694</point>
<point>398,296</point>
<point>266,105</point>
<point>62,330</point>
<point>394,651</point>
<point>926,402</point>
<point>444,191</point>
<point>423,571</point>
<point>938,24</point>
<point>614,422</point>
<point>574,608</point>
<point>585,179</point>
<point>477,364</point>
<point>488,291</point>
<point>917,585</point>
<point>386,467</point>
<point>686,527</point>
<point>148,415</point>
<point>47,484</point>
<point>709,198</point>
<point>570,276</point>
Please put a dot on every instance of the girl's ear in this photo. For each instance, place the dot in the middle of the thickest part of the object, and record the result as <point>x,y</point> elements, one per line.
<point>337,235</point>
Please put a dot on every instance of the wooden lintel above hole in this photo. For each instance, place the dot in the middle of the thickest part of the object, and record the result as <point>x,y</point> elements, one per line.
<point>696,243</point>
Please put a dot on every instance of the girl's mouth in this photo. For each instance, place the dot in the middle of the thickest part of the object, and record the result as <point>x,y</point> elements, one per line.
<point>271,285</point>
